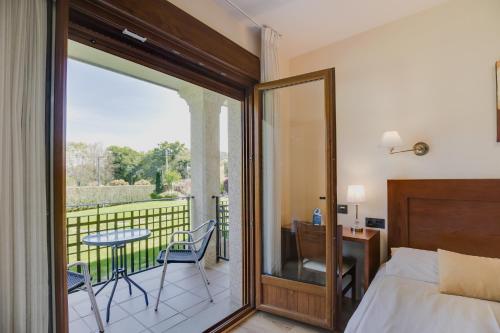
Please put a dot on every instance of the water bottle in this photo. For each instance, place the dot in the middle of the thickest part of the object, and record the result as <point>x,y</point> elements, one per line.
<point>316,217</point>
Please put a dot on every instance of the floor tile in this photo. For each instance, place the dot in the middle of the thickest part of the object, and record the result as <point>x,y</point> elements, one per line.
<point>169,291</point>
<point>184,301</point>
<point>190,282</point>
<point>152,284</point>
<point>213,274</point>
<point>167,324</point>
<point>150,317</point>
<point>204,319</point>
<point>127,325</point>
<point>78,326</point>
<point>138,304</point>
<point>84,309</point>
<point>116,314</point>
<point>77,297</point>
<point>149,274</point>
<point>202,291</point>
<point>123,295</point>
<point>178,275</point>
<point>72,314</point>
<point>223,281</point>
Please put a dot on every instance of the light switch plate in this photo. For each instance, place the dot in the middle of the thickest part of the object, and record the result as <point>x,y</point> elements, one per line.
<point>342,209</point>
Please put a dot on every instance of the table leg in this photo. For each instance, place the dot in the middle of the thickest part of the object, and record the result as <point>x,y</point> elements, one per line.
<point>119,267</point>
<point>123,260</point>
<point>125,276</point>
<point>105,284</point>
<point>114,259</point>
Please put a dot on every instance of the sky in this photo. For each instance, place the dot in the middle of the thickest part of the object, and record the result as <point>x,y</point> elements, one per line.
<point>114,109</point>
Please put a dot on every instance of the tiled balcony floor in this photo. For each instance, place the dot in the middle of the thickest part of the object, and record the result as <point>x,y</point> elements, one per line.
<point>184,304</point>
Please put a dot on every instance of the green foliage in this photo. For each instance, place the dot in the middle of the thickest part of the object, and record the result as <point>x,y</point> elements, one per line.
<point>158,182</point>
<point>172,176</point>
<point>177,155</point>
<point>125,162</point>
<point>164,195</point>
<point>131,165</point>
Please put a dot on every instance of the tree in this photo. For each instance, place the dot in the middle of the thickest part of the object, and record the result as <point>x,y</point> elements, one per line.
<point>171,177</point>
<point>177,155</point>
<point>126,163</point>
<point>85,163</point>
<point>158,182</point>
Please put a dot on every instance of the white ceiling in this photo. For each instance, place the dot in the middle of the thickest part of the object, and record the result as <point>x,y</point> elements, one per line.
<point>306,25</point>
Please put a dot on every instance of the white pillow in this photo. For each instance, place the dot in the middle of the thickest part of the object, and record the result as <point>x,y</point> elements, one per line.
<point>414,264</point>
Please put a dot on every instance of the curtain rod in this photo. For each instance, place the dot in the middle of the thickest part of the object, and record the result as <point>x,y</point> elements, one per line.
<point>232,4</point>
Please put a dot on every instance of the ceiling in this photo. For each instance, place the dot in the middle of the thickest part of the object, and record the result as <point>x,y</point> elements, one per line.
<point>306,25</point>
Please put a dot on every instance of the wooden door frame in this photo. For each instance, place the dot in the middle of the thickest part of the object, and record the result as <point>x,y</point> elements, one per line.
<point>328,75</point>
<point>233,84</point>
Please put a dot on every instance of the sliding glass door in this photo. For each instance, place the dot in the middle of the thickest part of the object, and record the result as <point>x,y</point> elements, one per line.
<point>296,223</point>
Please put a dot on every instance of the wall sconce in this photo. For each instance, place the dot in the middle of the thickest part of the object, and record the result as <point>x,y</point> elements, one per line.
<point>391,139</point>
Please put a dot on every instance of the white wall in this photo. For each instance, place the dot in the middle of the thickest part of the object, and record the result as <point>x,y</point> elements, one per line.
<point>431,77</point>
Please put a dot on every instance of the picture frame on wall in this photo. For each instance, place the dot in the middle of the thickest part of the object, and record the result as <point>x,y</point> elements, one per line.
<point>498,100</point>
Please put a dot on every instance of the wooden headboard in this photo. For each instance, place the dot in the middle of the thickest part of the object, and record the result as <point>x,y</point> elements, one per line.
<point>457,215</point>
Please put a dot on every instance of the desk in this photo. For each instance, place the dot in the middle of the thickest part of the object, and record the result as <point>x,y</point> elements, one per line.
<point>369,238</point>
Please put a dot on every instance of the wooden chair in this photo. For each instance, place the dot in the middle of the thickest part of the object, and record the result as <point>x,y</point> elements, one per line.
<point>311,251</point>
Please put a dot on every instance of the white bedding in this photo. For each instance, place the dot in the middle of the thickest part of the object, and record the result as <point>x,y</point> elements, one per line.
<point>398,300</point>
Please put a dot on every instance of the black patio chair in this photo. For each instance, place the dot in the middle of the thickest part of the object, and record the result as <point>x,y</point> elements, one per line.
<point>189,254</point>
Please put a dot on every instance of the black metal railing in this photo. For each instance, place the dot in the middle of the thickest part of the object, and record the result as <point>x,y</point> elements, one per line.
<point>222,234</point>
<point>161,220</point>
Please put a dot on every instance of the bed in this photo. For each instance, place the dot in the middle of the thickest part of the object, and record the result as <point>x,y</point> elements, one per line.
<point>424,215</point>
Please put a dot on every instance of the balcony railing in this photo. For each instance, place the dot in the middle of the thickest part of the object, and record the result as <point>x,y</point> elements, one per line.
<point>222,235</point>
<point>162,221</point>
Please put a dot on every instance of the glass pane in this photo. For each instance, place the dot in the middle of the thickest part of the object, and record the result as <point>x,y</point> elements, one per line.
<point>294,182</point>
<point>151,155</point>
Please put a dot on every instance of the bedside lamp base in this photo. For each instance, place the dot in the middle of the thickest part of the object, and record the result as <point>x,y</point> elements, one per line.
<point>357,229</point>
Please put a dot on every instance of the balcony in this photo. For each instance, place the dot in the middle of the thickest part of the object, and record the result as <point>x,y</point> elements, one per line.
<point>184,303</point>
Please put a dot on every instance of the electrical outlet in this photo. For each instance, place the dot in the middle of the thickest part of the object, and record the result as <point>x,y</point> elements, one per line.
<point>372,222</point>
<point>342,209</point>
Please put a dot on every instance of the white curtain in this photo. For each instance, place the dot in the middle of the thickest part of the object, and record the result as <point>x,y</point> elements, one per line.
<point>24,286</point>
<point>271,228</point>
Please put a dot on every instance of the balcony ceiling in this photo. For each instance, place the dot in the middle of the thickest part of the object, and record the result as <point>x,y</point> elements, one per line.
<point>310,24</point>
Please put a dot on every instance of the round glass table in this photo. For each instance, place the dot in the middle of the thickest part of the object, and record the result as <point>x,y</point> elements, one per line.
<point>117,239</point>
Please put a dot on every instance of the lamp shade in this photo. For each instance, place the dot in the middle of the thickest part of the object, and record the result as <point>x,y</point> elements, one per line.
<point>391,139</point>
<point>355,194</point>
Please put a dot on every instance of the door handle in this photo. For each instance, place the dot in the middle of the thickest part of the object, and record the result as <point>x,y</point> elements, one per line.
<point>322,198</point>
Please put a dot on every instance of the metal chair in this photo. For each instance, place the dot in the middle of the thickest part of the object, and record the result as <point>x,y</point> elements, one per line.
<point>189,254</point>
<point>79,280</point>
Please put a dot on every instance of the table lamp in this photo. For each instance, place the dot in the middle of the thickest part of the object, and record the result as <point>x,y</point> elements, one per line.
<point>356,195</point>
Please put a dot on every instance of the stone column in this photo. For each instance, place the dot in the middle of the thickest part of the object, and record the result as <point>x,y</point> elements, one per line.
<point>235,198</point>
<point>204,107</point>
